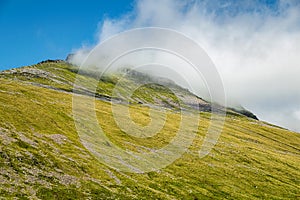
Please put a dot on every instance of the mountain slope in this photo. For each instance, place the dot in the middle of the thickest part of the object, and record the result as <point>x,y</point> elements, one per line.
<point>41,155</point>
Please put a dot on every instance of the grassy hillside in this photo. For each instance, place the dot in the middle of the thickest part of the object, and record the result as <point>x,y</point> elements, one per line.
<point>41,156</point>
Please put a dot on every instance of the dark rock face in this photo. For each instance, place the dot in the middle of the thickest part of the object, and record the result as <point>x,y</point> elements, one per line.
<point>245,112</point>
<point>69,57</point>
<point>249,114</point>
<point>51,61</point>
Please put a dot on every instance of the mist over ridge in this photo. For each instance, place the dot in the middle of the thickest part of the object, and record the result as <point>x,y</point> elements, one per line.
<point>253,45</point>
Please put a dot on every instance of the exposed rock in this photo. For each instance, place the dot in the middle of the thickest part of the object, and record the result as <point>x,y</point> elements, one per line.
<point>69,57</point>
<point>51,61</point>
<point>245,112</point>
<point>58,138</point>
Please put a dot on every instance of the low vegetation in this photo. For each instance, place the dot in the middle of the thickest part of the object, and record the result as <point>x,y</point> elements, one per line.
<point>41,156</point>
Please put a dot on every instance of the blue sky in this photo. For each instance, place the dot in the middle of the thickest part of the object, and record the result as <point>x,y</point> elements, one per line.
<point>35,30</point>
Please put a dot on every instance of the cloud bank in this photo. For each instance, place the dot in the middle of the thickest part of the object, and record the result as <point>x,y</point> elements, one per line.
<point>254,45</point>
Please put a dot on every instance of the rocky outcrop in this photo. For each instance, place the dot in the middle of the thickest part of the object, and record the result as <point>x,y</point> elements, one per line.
<point>51,61</point>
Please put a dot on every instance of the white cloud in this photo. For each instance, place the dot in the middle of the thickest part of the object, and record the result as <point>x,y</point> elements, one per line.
<point>255,48</point>
<point>297,114</point>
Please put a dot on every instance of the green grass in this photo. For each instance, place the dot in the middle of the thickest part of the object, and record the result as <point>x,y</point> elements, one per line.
<point>41,155</point>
